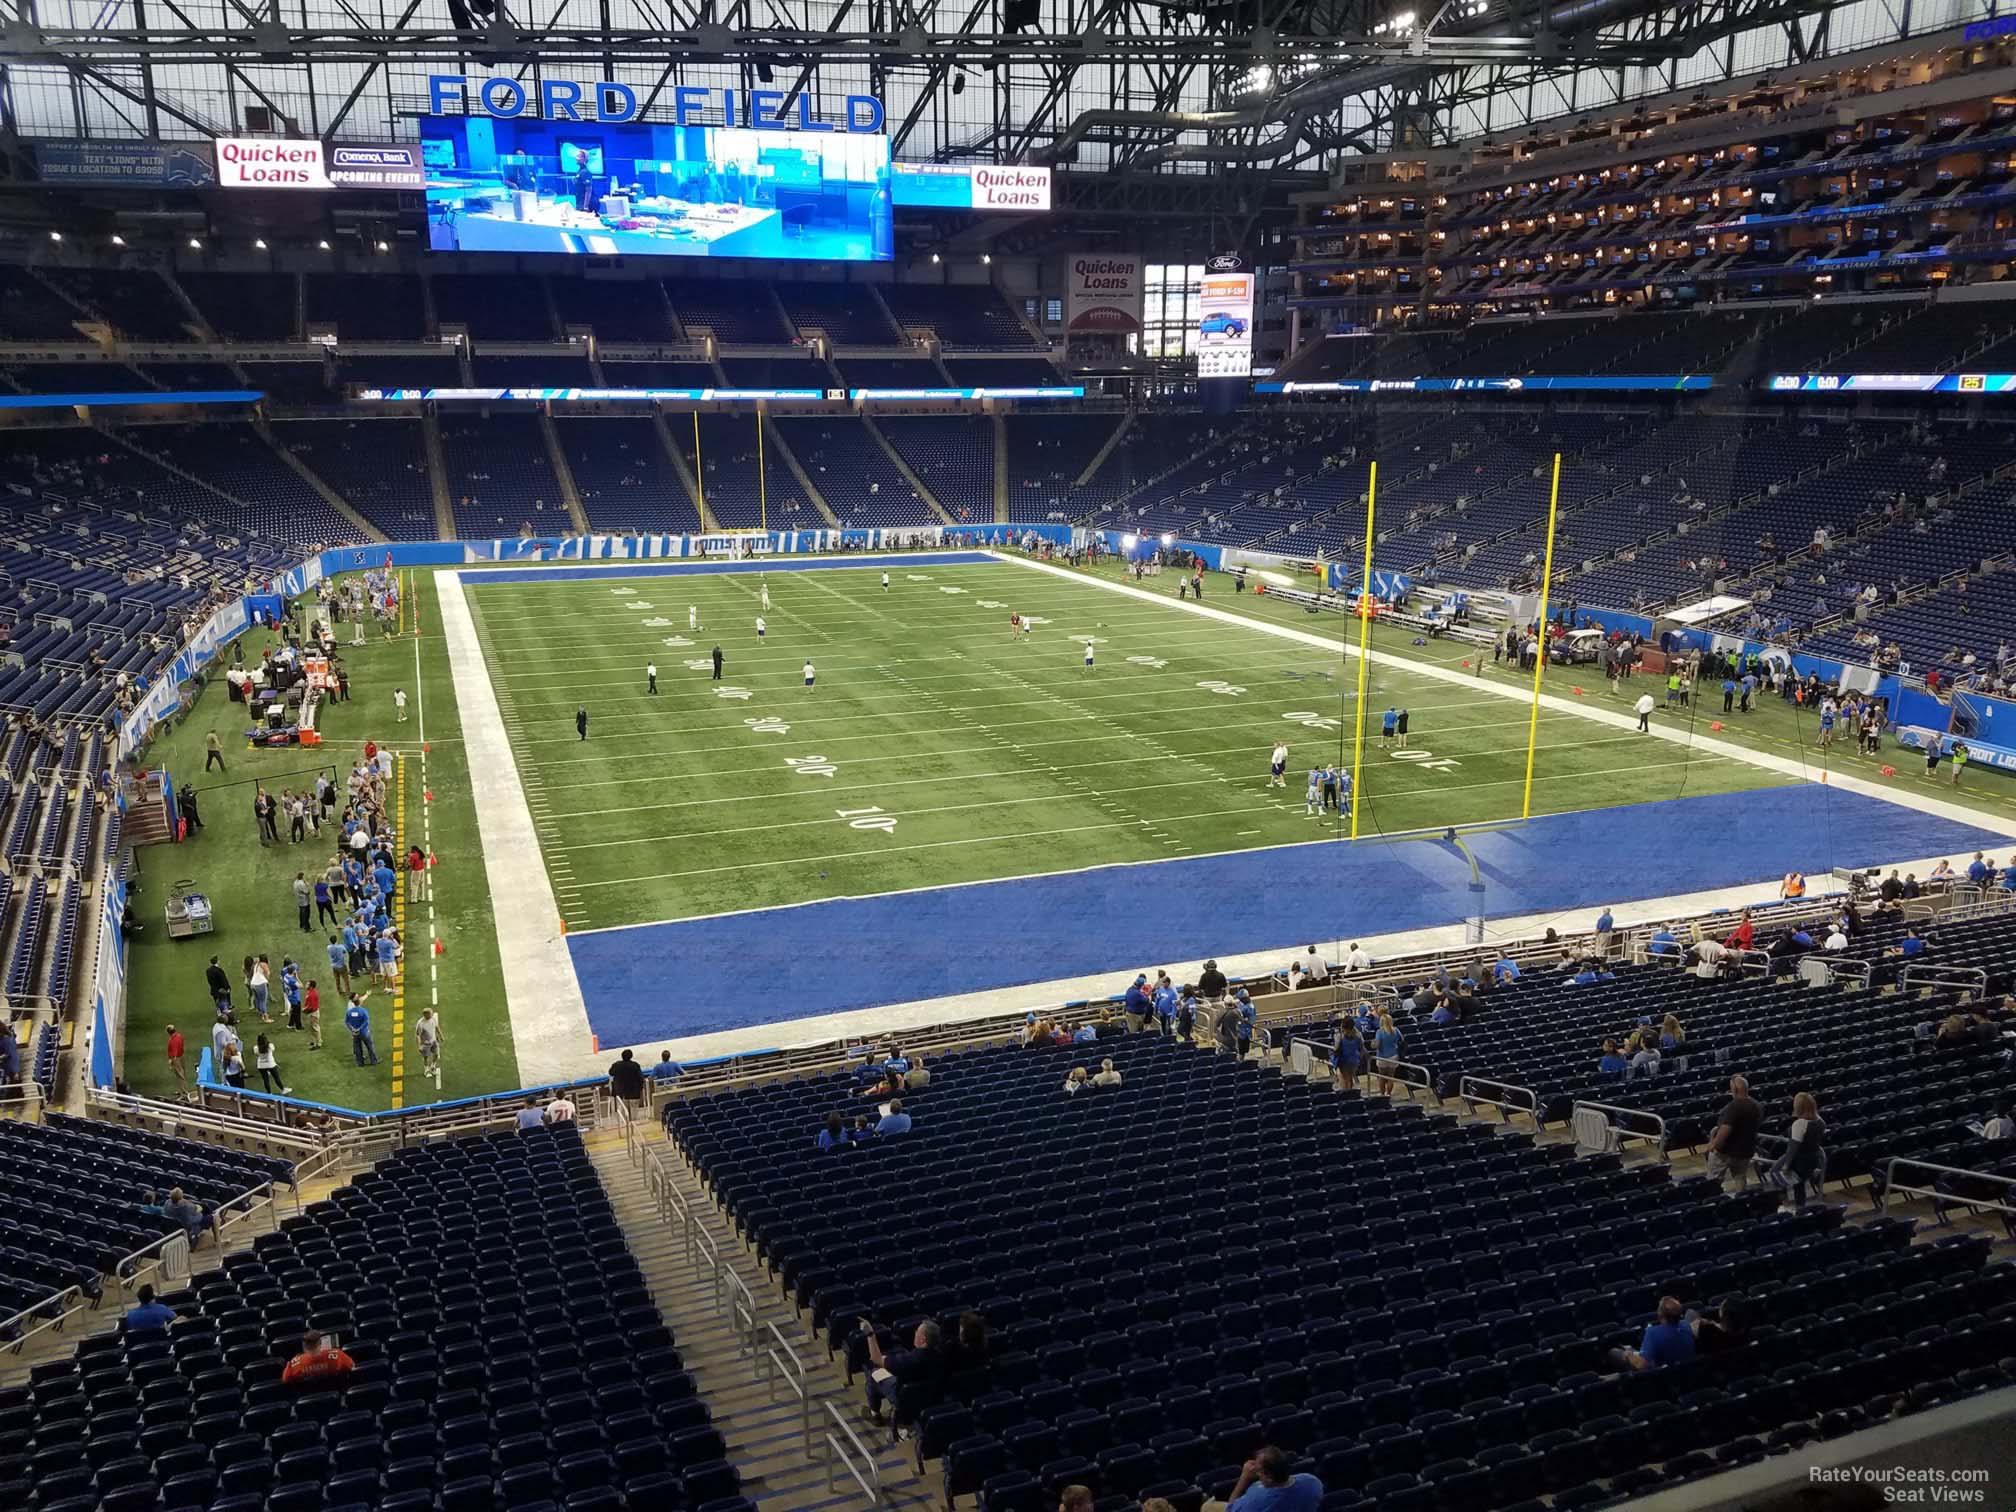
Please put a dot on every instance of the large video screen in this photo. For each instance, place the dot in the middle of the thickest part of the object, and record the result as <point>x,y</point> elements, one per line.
<point>641,190</point>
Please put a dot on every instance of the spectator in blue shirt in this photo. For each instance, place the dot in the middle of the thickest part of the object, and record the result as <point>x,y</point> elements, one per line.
<point>1977,870</point>
<point>895,1121</point>
<point>357,1019</point>
<point>1604,923</point>
<point>1137,1004</point>
<point>834,1135</point>
<point>1668,1341</point>
<point>1267,1484</point>
<point>1443,1014</point>
<point>1612,1062</point>
<point>388,957</point>
<point>1505,969</point>
<point>1088,1033</point>
<point>150,1313</point>
<point>1664,942</point>
<point>1911,944</point>
<point>667,1068</point>
<point>1164,1003</point>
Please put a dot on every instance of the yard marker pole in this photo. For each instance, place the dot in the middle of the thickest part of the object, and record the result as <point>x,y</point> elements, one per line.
<point>1540,661</point>
<point>699,472</point>
<point>762,483</point>
<point>1364,649</point>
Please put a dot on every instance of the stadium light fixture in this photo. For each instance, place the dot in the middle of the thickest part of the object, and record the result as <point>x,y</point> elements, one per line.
<point>118,240</point>
<point>936,258</point>
<point>1129,542</point>
<point>55,236</point>
<point>323,245</point>
<point>1168,539</point>
<point>382,247</point>
<point>259,244</point>
<point>986,257</point>
<point>195,244</point>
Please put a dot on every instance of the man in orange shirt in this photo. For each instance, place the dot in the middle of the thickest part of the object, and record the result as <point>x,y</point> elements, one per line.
<point>318,1366</point>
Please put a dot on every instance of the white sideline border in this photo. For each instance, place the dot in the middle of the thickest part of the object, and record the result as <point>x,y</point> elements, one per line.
<point>550,1036</point>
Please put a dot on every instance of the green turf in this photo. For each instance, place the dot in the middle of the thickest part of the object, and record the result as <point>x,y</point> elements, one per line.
<point>250,889</point>
<point>993,756</point>
<point>927,710</point>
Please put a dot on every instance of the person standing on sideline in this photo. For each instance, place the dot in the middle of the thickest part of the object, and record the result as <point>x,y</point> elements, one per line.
<point>219,985</point>
<point>766,597</point>
<point>302,899</point>
<point>692,616</point>
<point>213,752</point>
<point>267,1060</point>
<point>311,1012</point>
<point>717,664</point>
<point>427,1035</point>
<point>290,990</point>
<point>177,1067</point>
<point>399,703</point>
<point>761,628</point>
<point>651,677</point>
<point>809,675</point>
<point>1088,656</point>
<point>1728,695</point>
<point>1277,765</point>
<point>339,964</point>
<point>885,582</point>
<point>1313,799</point>
<point>1960,755</point>
<point>1400,727</point>
<point>1388,722</point>
<point>357,1019</point>
<point>581,721</point>
<point>1643,709</point>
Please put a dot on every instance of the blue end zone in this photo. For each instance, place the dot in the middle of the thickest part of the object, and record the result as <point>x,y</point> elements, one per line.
<point>478,576</point>
<point>787,963</point>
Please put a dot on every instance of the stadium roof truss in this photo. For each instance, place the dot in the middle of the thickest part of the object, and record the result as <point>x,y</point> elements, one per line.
<point>1229,90</point>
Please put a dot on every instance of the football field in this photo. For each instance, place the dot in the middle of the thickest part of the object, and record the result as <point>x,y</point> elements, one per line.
<point>938,747</point>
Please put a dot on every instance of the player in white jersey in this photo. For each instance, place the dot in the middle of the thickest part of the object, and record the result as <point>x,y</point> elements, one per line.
<point>760,627</point>
<point>809,674</point>
<point>1277,765</point>
<point>1088,656</point>
<point>692,616</point>
<point>1314,804</point>
<point>885,582</point>
<point>766,598</point>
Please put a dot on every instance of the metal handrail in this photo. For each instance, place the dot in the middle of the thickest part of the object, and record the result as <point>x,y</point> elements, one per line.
<point>1613,1132</point>
<point>1505,1106</point>
<point>1922,975</point>
<point>711,1252</point>
<point>1860,973</point>
<point>742,1316</point>
<point>33,1101</point>
<point>1890,1185</point>
<point>1409,1074</point>
<point>74,1296</point>
<point>870,1482</point>
<point>1754,961</point>
<point>780,1362</point>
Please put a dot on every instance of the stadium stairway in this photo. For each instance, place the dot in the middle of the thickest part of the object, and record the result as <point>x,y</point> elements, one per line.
<point>556,456</point>
<point>909,475</point>
<point>670,446</point>
<point>367,531</point>
<point>759,1418</point>
<point>18,1362</point>
<point>437,478</point>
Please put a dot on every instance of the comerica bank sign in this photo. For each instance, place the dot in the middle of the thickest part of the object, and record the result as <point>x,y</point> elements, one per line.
<point>608,101</point>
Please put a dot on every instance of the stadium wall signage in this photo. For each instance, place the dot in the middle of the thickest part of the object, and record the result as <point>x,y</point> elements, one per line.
<point>607,101</point>
<point>286,163</point>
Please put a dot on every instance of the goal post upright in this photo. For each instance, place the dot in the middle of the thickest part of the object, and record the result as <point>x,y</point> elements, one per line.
<point>1540,659</point>
<point>1364,649</point>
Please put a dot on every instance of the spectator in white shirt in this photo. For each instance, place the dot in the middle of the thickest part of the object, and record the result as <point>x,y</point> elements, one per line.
<point>1314,967</point>
<point>1357,960</point>
<point>1835,941</point>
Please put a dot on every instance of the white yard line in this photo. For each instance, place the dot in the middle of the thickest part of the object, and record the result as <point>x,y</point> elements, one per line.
<point>1898,793</point>
<point>549,1019</point>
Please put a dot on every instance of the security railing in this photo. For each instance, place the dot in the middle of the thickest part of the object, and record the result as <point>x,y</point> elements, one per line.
<point>1600,1128</point>
<point>1892,1187</point>
<point>853,1456</point>
<point>1504,1096</point>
